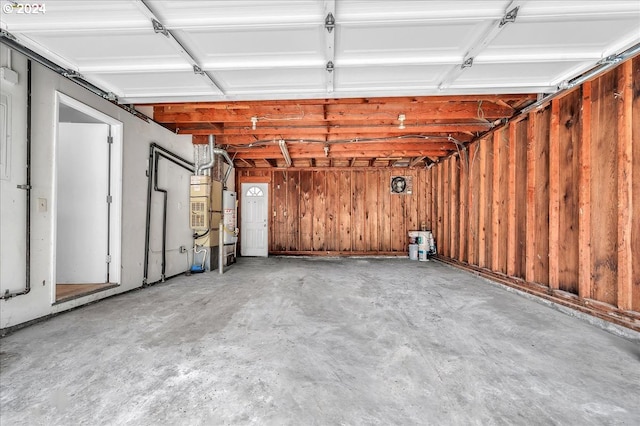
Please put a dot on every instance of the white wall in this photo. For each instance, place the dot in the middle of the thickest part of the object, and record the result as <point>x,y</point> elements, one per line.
<point>137,136</point>
<point>12,199</point>
<point>82,189</point>
<point>174,179</point>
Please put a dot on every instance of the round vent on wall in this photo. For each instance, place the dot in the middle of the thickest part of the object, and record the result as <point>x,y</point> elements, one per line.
<point>398,185</point>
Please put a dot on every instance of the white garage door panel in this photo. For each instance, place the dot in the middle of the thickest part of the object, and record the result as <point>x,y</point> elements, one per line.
<point>279,49</point>
<point>407,40</point>
<point>222,48</point>
<point>372,78</point>
<point>359,11</point>
<point>130,48</point>
<point>273,79</point>
<point>195,14</point>
<point>165,84</point>
<point>561,37</point>
<point>514,74</point>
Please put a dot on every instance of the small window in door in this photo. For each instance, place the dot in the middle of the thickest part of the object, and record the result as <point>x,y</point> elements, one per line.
<point>254,191</point>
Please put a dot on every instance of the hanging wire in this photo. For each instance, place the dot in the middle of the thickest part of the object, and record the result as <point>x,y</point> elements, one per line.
<point>480,110</point>
<point>265,142</point>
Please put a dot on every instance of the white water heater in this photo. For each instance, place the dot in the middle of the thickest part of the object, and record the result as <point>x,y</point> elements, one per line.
<point>229,208</point>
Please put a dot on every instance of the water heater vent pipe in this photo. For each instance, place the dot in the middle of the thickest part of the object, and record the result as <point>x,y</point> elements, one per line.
<point>212,159</point>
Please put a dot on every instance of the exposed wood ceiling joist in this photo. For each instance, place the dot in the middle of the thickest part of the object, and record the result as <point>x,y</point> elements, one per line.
<point>324,130</point>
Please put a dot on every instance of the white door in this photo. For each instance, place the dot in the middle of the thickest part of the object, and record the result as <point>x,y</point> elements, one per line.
<point>254,230</point>
<point>82,208</point>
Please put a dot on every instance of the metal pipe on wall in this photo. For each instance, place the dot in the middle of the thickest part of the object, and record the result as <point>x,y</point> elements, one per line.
<point>229,161</point>
<point>212,158</point>
<point>221,227</point>
<point>221,247</point>
<point>155,153</point>
<point>26,187</point>
<point>164,218</point>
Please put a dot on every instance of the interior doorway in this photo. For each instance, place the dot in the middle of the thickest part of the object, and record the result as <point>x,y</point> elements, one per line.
<point>87,189</point>
<point>254,230</point>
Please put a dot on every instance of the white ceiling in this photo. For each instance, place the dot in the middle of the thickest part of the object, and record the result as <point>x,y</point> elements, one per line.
<point>263,49</point>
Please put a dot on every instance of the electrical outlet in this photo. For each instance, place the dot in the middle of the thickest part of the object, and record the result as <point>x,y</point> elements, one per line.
<point>183,249</point>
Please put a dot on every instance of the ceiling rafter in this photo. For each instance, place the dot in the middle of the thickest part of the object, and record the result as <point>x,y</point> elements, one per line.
<point>337,132</point>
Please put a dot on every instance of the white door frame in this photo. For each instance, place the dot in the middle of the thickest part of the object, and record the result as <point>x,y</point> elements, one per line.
<point>244,186</point>
<point>115,228</point>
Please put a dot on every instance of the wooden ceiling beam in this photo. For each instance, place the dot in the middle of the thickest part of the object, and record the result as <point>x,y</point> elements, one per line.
<point>296,148</point>
<point>264,115</point>
<point>385,146</point>
<point>230,141</point>
<point>244,105</point>
<point>274,154</point>
<point>427,111</point>
<point>385,110</point>
<point>414,115</point>
<point>416,160</point>
<point>338,130</point>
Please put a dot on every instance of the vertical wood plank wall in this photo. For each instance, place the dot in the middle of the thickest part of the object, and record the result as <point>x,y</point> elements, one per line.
<point>562,181</point>
<point>345,211</point>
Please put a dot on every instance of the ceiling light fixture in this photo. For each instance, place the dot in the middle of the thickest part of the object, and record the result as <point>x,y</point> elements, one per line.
<point>254,122</point>
<point>401,119</point>
<point>285,152</point>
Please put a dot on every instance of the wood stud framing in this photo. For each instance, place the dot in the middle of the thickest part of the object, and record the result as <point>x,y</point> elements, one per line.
<point>463,212</point>
<point>625,185</point>
<point>564,181</point>
<point>511,207</point>
<point>530,246</point>
<point>495,208</point>
<point>584,196</point>
<point>554,195</point>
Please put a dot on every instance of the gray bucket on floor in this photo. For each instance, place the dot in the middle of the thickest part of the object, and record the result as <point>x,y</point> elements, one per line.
<point>413,251</point>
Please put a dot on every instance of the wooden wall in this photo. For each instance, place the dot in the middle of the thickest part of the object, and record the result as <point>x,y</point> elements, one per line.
<point>342,210</point>
<point>554,197</point>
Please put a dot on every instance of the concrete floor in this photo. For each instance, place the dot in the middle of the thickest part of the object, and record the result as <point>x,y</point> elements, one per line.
<point>319,341</point>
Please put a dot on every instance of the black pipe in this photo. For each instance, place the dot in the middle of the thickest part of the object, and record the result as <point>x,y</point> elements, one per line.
<point>148,221</point>
<point>189,165</point>
<point>28,212</point>
<point>155,153</point>
<point>168,278</point>
<point>26,187</point>
<point>164,217</point>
